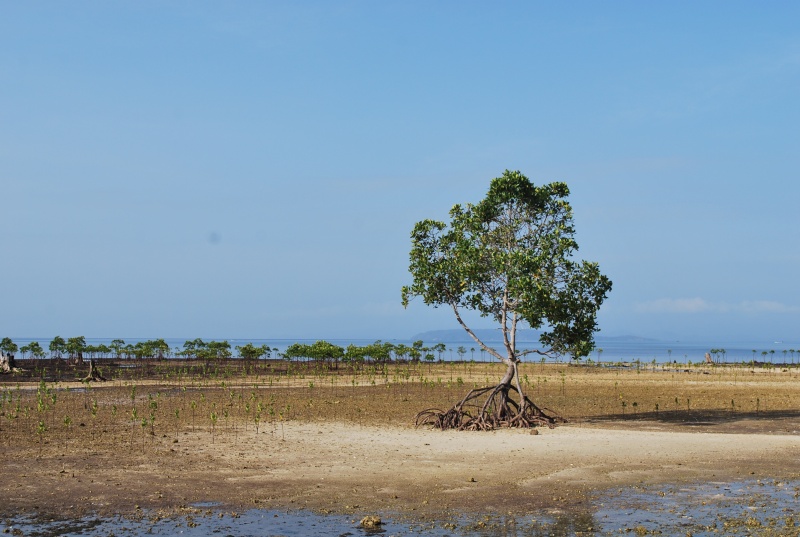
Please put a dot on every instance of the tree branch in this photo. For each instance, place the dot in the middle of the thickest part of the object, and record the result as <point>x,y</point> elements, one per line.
<point>536,351</point>
<point>473,336</point>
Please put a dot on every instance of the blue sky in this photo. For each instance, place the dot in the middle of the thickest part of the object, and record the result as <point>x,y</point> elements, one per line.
<point>254,169</point>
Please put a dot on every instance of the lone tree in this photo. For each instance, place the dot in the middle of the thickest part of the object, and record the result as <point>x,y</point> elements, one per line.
<point>510,259</point>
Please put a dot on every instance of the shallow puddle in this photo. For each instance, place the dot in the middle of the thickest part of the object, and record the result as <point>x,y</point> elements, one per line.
<point>738,508</point>
<point>757,507</point>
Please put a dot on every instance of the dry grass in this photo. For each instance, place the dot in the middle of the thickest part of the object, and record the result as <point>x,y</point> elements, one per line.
<point>137,406</point>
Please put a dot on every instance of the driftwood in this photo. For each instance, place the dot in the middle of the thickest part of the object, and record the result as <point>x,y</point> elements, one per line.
<point>7,364</point>
<point>94,374</point>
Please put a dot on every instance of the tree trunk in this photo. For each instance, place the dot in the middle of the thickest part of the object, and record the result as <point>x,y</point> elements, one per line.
<point>94,373</point>
<point>75,359</point>
<point>7,364</point>
<point>509,376</point>
<point>491,407</point>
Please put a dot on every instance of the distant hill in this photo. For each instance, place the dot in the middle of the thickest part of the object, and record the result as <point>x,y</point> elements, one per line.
<point>624,338</point>
<point>487,335</point>
<point>493,335</point>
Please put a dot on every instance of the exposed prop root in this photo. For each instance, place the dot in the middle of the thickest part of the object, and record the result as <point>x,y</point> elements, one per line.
<point>7,364</point>
<point>498,410</point>
<point>94,374</point>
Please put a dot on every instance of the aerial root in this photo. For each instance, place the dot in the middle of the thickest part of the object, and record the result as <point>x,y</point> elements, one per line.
<point>498,410</point>
<point>94,374</point>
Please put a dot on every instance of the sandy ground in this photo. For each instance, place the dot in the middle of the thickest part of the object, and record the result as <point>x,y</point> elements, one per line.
<point>331,467</point>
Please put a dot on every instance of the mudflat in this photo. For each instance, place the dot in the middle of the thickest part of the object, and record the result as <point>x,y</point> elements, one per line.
<point>352,448</point>
<point>341,467</point>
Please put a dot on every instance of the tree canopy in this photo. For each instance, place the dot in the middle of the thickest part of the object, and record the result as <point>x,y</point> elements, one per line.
<point>510,258</point>
<point>7,346</point>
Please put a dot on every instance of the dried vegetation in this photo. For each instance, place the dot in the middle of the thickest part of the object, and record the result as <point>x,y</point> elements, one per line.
<point>144,404</point>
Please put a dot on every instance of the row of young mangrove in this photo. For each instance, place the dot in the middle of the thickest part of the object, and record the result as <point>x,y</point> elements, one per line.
<point>76,349</point>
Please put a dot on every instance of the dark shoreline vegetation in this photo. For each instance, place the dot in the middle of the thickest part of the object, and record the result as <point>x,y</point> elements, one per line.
<point>75,350</point>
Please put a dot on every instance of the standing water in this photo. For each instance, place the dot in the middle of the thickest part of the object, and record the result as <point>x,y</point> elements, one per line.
<point>723,508</point>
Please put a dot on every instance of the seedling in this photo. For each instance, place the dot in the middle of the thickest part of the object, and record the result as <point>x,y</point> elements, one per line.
<point>144,426</point>
<point>67,424</point>
<point>40,430</point>
<point>213,425</point>
<point>135,416</point>
<point>193,405</point>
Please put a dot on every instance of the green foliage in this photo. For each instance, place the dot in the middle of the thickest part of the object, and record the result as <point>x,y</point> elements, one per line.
<point>116,346</point>
<point>510,258</point>
<point>416,350</point>
<point>319,351</point>
<point>213,350</point>
<point>251,352</point>
<point>193,347</point>
<point>219,349</point>
<point>34,349</point>
<point>75,346</point>
<point>58,346</point>
<point>8,346</point>
<point>379,352</point>
<point>401,351</point>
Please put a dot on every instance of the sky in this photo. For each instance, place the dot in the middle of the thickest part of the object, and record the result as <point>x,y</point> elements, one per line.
<point>254,169</point>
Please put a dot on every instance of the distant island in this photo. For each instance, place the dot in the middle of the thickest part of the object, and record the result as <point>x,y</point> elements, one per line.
<point>489,335</point>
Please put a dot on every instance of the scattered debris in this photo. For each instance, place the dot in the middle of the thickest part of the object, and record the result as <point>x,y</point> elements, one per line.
<point>370,521</point>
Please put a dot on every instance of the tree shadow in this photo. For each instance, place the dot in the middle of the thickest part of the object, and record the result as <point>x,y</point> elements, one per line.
<point>711,419</point>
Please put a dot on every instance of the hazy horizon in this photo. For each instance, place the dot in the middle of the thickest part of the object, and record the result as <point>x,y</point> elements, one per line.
<point>451,334</point>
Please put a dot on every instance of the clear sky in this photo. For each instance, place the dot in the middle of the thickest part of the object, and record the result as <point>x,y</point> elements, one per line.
<point>254,169</point>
